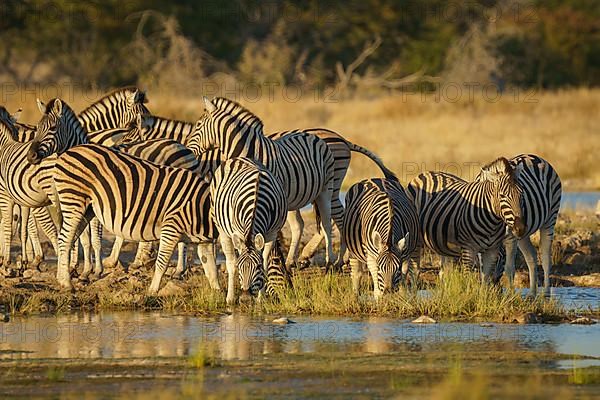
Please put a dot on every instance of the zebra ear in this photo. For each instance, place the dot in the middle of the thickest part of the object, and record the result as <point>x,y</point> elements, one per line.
<point>402,242</point>
<point>208,105</point>
<point>41,106</point>
<point>57,107</point>
<point>376,240</point>
<point>15,116</point>
<point>139,97</point>
<point>259,241</point>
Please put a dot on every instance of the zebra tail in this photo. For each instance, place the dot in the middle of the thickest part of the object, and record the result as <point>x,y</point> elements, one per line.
<point>317,218</point>
<point>359,149</point>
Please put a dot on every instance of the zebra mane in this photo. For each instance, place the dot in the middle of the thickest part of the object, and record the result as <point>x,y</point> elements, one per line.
<point>115,93</point>
<point>237,110</point>
<point>5,127</point>
<point>500,165</point>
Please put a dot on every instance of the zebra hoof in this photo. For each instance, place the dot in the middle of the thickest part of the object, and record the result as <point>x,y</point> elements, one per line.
<point>96,276</point>
<point>35,264</point>
<point>177,275</point>
<point>303,264</point>
<point>109,264</point>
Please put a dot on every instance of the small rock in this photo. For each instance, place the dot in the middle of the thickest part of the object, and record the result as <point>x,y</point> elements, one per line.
<point>583,321</point>
<point>424,319</point>
<point>170,289</point>
<point>527,318</point>
<point>283,321</point>
<point>486,325</point>
<point>5,318</point>
<point>32,274</point>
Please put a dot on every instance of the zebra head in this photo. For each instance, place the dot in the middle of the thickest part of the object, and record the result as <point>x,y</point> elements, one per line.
<point>138,129</point>
<point>58,130</point>
<point>205,136</point>
<point>508,193</point>
<point>9,121</point>
<point>250,265</point>
<point>389,263</point>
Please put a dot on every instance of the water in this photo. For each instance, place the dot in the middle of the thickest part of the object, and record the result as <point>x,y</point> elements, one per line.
<point>157,334</point>
<point>579,200</point>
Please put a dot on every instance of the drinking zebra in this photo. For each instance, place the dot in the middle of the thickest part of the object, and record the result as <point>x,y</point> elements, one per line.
<point>135,199</point>
<point>541,196</point>
<point>249,208</point>
<point>381,230</point>
<point>301,161</point>
<point>455,214</point>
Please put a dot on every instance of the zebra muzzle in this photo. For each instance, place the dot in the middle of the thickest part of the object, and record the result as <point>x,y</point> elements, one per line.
<point>518,227</point>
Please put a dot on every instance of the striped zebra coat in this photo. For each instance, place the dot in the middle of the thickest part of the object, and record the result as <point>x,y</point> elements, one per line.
<point>302,162</point>
<point>455,214</point>
<point>381,230</point>
<point>542,191</point>
<point>135,199</point>
<point>164,152</point>
<point>278,275</point>
<point>249,207</point>
<point>150,127</point>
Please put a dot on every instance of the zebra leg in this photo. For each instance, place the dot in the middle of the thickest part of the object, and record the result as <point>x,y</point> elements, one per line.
<point>372,266</point>
<point>44,218</point>
<point>96,236</point>
<point>85,241</point>
<point>489,259</point>
<point>34,238</point>
<point>546,238</point>
<point>24,224</point>
<point>323,204</point>
<point>265,255</point>
<point>410,267</point>
<point>206,254</point>
<point>142,255</point>
<point>6,207</point>
<point>169,237</point>
<point>74,222</point>
<point>294,218</point>
<point>230,261</point>
<point>112,260</point>
<point>530,255</point>
<point>355,273</point>
<point>181,259</point>
<point>510,245</point>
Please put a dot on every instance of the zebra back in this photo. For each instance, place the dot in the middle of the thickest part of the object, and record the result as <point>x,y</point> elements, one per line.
<point>117,109</point>
<point>454,213</point>
<point>164,152</point>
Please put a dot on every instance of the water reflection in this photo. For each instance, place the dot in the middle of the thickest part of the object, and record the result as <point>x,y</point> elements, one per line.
<point>141,335</point>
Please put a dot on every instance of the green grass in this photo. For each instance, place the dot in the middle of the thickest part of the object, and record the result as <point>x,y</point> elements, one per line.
<point>459,296</point>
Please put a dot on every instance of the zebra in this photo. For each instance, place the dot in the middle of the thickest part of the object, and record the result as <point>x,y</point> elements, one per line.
<point>542,191</point>
<point>381,231</point>
<point>341,150</point>
<point>455,214</point>
<point>164,152</point>
<point>278,276</point>
<point>135,199</point>
<point>302,161</point>
<point>249,207</point>
<point>151,127</point>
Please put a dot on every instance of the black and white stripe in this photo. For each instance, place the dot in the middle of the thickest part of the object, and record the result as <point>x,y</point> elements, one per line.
<point>455,214</point>
<point>278,275</point>
<point>381,231</point>
<point>301,161</point>
<point>249,207</point>
<point>542,191</point>
<point>135,199</point>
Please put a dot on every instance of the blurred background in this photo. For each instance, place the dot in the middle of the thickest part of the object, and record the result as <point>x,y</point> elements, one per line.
<point>425,84</point>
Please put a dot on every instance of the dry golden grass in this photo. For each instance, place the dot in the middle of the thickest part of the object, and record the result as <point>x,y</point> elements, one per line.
<point>412,134</point>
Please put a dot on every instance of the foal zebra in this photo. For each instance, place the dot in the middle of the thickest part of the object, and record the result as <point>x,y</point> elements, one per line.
<point>455,214</point>
<point>381,230</point>
<point>249,207</point>
<point>135,199</point>
<point>301,161</point>
<point>542,190</point>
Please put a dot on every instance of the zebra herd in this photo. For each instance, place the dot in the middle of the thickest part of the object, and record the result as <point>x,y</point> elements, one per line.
<point>150,179</point>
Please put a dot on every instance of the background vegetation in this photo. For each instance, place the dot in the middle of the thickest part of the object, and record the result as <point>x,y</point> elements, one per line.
<point>448,83</point>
